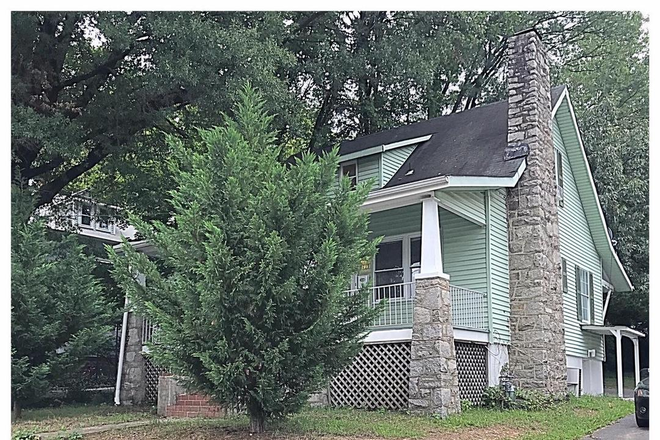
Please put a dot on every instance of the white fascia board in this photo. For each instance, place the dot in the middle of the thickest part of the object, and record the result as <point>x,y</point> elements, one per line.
<point>408,194</point>
<point>558,103</point>
<point>379,336</point>
<point>481,182</point>
<point>406,142</point>
<point>593,189</point>
<point>361,153</point>
<point>381,148</point>
<point>470,335</point>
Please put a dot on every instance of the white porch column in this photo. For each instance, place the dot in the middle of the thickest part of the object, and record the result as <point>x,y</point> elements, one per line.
<point>619,364</point>
<point>431,264</point>
<point>635,341</point>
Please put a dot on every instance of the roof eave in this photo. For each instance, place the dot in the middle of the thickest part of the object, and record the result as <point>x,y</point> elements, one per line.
<point>625,285</point>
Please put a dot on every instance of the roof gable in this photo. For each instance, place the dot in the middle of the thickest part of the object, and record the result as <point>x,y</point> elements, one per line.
<point>564,116</point>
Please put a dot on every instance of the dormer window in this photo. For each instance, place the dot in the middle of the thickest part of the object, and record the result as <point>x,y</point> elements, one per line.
<point>349,169</point>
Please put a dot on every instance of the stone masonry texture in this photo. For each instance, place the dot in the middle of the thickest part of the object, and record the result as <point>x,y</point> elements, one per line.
<point>133,373</point>
<point>433,386</point>
<point>537,357</point>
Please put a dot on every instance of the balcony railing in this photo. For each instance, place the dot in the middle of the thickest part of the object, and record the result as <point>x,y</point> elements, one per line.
<point>469,307</point>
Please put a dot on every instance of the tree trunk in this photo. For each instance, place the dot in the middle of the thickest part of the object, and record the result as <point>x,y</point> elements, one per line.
<point>257,423</point>
<point>16,411</point>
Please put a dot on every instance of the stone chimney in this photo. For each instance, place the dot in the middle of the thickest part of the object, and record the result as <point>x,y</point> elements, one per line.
<point>537,356</point>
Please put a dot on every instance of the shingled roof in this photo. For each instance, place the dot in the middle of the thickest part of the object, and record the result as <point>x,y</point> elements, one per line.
<point>469,143</point>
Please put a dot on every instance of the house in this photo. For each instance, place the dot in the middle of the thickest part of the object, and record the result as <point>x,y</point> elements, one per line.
<point>495,253</point>
<point>93,220</point>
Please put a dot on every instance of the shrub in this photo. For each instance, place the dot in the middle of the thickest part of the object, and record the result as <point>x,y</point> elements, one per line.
<point>25,434</point>
<point>528,400</point>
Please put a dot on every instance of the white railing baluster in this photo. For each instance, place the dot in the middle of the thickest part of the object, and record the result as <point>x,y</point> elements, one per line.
<point>468,306</point>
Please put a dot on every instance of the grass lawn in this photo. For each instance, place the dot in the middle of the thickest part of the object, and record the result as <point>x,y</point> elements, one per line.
<point>79,416</point>
<point>569,420</point>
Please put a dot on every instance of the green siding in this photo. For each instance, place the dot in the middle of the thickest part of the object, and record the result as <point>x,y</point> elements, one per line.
<point>397,221</point>
<point>464,252</point>
<point>499,265</point>
<point>577,247</point>
<point>369,168</point>
<point>468,204</point>
<point>392,161</point>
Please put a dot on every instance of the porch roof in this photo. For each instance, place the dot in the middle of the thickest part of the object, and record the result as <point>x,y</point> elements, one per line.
<point>613,329</point>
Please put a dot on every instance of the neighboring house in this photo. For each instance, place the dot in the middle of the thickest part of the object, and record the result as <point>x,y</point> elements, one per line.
<point>495,253</point>
<point>88,218</point>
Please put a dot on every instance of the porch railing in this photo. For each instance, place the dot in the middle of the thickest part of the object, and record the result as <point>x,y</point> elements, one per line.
<point>469,307</point>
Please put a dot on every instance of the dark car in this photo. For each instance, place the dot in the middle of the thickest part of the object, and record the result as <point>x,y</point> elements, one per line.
<point>642,400</point>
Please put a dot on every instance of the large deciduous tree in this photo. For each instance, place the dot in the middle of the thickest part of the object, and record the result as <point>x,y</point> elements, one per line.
<point>96,92</point>
<point>250,301</point>
<point>58,316</point>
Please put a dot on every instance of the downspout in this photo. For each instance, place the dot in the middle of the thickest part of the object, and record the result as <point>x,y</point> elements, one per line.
<point>122,349</point>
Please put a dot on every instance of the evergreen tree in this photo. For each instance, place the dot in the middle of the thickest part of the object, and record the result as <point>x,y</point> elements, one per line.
<point>58,316</point>
<point>250,300</point>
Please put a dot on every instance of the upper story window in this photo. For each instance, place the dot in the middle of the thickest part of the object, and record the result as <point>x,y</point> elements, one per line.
<point>584,286</point>
<point>349,169</point>
<point>86,214</point>
<point>559,165</point>
<point>94,216</point>
<point>564,276</point>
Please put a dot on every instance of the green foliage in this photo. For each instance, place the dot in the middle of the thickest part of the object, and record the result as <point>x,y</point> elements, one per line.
<point>25,434</point>
<point>250,298</point>
<point>527,400</point>
<point>58,317</point>
<point>73,435</point>
<point>95,95</point>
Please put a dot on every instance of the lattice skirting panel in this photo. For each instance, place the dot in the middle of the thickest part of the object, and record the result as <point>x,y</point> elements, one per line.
<point>472,363</point>
<point>151,374</point>
<point>377,378</point>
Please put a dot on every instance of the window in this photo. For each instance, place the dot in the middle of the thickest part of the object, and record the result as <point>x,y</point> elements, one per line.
<point>350,170</point>
<point>559,164</point>
<point>564,276</point>
<point>584,286</point>
<point>105,222</point>
<point>86,214</point>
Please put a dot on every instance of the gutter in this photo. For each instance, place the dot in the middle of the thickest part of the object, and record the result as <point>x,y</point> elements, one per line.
<point>411,193</point>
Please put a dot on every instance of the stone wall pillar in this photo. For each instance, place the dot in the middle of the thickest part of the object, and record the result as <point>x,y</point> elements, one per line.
<point>537,357</point>
<point>133,383</point>
<point>433,386</point>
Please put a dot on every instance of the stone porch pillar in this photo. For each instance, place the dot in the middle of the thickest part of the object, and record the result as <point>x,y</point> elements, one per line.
<point>433,386</point>
<point>133,384</point>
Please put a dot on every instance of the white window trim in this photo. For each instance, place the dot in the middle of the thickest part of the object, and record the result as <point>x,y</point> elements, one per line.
<point>560,188</point>
<point>357,171</point>
<point>405,250</point>
<point>586,319</point>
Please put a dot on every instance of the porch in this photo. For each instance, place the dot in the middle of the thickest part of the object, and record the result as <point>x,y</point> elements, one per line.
<point>469,307</point>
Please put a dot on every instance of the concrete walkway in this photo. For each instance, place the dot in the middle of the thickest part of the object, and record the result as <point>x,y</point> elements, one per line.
<point>97,429</point>
<point>624,429</point>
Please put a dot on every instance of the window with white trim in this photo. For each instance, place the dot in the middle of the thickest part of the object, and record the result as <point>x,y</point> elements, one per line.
<point>86,214</point>
<point>349,169</point>
<point>564,276</point>
<point>585,295</point>
<point>559,169</point>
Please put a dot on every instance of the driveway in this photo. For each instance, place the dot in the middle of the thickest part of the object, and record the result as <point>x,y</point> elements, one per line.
<point>624,429</point>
